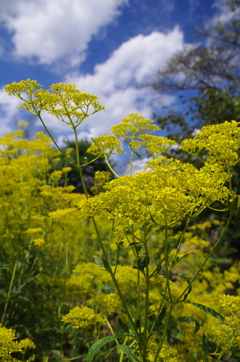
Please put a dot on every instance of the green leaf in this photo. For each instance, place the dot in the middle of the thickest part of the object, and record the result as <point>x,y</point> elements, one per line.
<point>59,354</point>
<point>99,344</point>
<point>138,155</point>
<point>187,320</point>
<point>128,352</point>
<point>132,327</point>
<point>134,243</point>
<point>189,286</point>
<point>208,310</point>
<point>122,325</point>
<point>184,256</point>
<point>143,261</point>
<point>159,319</point>
<point>154,220</point>
<point>157,270</point>
<point>205,347</point>
<point>98,261</point>
<point>107,265</point>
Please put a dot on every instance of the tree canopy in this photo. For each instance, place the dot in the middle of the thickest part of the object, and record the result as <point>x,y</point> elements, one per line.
<point>205,76</point>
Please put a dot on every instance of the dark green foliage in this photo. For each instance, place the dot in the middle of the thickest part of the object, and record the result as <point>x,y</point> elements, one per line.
<point>88,171</point>
<point>210,87</point>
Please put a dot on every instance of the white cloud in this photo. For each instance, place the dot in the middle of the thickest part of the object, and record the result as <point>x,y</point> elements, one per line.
<point>50,30</point>
<point>118,83</point>
<point>224,14</point>
<point>138,166</point>
<point>118,80</point>
<point>8,111</point>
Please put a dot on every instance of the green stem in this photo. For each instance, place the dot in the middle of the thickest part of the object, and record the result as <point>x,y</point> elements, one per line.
<point>146,300</point>
<point>110,327</point>
<point>113,277</point>
<point>139,301</point>
<point>38,113</point>
<point>207,258</point>
<point>9,292</point>
<point>164,333</point>
<point>180,240</point>
<point>158,313</point>
<point>107,162</point>
<point>109,247</point>
<point>131,162</point>
<point>223,351</point>
<point>78,163</point>
<point>122,353</point>
<point>166,256</point>
<point>95,225</point>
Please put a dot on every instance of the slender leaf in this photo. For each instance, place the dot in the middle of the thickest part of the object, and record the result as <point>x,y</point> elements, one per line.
<point>208,310</point>
<point>134,243</point>
<point>128,352</point>
<point>189,286</point>
<point>59,354</point>
<point>132,327</point>
<point>122,325</point>
<point>187,320</point>
<point>159,319</point>
<point>138,155</point>
<point>182,257</point>
<point>205,348</point>
<point>98,261</point>
<point>99,344</point>
<point>107,265</point>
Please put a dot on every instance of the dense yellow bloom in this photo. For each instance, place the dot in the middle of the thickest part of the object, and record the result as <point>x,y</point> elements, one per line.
<point>105,145</point>
<point>83,317</point>
<point>38,241</point>
<point>102,177</point>
<point>107,303</point>
<point>136,219</point>
<point>8,344</point>
<point>154,144</point>
<point>64,101</point>
<point>221,141</point>
<point>167,194</point>
<point>133,125</point>
<point>136,129</point>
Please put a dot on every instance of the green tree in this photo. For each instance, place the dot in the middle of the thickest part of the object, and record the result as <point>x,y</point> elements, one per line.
<point>88,171</point>
<point>206,78</point>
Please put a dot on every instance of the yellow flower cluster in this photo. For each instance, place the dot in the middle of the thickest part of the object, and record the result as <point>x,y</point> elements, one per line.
<point>133,125</point>
<point>221,141</point>
<point>105,145</point>
<point>142,257</point>
<point>9,345</point>
<point>64,101</point>
<point>82,317</point>
<point>167,194</point>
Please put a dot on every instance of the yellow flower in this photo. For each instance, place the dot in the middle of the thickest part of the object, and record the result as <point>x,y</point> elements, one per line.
<point>8,344</point>
<point>38,241</point>
<point>105,145</point>
<point>133,125</point>
<point>64,101</point>
<point>33,231</point>
<point>22,124</point>
<point>83,317</point>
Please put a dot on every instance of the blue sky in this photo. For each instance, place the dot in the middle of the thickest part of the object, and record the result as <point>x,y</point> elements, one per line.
<point>108,48</point>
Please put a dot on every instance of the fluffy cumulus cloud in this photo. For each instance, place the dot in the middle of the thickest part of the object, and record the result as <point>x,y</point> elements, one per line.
<point>46,31</point>
<point>118,81</point>
<point>8,111</point>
